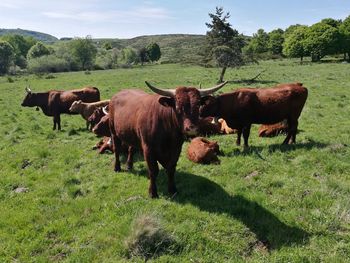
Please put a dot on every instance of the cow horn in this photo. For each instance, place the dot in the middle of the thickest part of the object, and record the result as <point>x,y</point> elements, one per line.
<point>104,109</point>
<point>205,92</point>
<point>28,90</point>
<point>164,92</point>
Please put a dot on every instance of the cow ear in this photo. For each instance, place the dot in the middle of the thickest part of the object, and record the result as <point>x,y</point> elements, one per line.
<point>167,102</point>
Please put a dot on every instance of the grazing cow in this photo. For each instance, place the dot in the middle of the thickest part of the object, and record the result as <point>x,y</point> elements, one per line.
<point>245,106</point>
<point>102,128</point>
<point>55,102</point>
<point>156,124</point>
<point>86,109</point>
<point>271,130</point>
<point>104,145</point>
<point>97,115</point>
<point>203,151</point>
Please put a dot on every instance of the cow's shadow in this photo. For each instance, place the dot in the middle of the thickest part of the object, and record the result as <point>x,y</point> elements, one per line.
<point>211,197</point>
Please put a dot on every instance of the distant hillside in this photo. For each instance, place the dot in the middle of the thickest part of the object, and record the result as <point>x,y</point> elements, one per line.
<point>174,47</point>
<point>37,35</point>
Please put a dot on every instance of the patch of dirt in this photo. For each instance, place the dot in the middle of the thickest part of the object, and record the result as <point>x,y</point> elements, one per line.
<point>21,190</point>
<point>252,174</point>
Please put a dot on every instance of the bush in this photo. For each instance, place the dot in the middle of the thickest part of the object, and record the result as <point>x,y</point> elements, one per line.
<point>46,64</point>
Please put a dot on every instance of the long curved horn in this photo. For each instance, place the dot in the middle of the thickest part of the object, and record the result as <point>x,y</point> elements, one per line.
<point>164,92</point>
<point>104,109</point>
<point>205,92</point>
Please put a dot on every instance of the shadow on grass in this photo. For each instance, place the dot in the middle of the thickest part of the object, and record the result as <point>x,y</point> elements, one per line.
<point>211,197</point>
<point>256,150</point>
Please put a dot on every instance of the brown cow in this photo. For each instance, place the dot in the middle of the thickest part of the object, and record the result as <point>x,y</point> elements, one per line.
<point>203,151</point>
<point>102,128</point>
<point>271,130</point>
<point>224,128</point>
<point>207,126</point>
<point>157,125</point>
<point>245,106</point>
<point>97,115</point>
<point>55,102</point>
<point>86,109</point>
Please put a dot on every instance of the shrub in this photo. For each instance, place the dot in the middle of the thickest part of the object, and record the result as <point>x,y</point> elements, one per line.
<point>38,50</point>
<point>46,64</point>
<point>6,56</point>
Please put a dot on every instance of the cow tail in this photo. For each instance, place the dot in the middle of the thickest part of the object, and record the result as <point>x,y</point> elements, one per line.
<point>98,93</point>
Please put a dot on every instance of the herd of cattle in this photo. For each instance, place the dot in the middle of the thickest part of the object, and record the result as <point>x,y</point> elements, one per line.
<point>157,124</point>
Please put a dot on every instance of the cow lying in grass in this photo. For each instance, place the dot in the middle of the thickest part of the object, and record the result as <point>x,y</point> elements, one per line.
<point>271,130</point>
<point>87,109</point>
<point>203,151</point>
<point>104,144</point>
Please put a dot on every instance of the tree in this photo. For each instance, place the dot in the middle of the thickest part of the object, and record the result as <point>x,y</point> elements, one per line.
<point>224,44</point>
<point>344,30</point>
<point>38,50</point>
<point>84,52</point>
<point>143,55</point>
<point>128,56</point>
<point>20,45</point>
<point>275,41</point>
<point>153,52</point>
<point>7,55</point>
<point>321,40</point>
<point>260,41</point>
<point>294,46</point>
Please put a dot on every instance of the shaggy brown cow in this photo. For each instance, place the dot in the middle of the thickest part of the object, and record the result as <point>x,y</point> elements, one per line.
<point>207,126</point>
<point>102,128</point>
<point>157,125</point>
<point>203,151</point>
<point>55,102</point>
<point>104,145</point>
<point>86,109</point>
<point>224,128</point>
<point>271,130</point>
<point>245,106</point>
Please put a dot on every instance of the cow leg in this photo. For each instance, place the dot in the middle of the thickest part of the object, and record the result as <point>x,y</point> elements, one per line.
<point>171,180</point>
<point>87,125</point>
<point>239,133</point>
<point>153,171</point>
<point>246,132</point>
<point>294,130</point>
<point>117,145</point>
<point>130,160</point>
<point>57,120</point>
<point>290,131</point>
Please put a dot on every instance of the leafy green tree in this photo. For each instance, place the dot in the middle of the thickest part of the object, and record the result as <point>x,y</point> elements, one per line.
<point>7,55</point>
<point>107,45</point>
<point>84,52</point>
<point>38,50</point>
<point>331,22</point>
<point>143,55</point>
<point>153,52</point>
<point>289,30</point>
<point>224,44</point>
<point>260,41</point>
<point>321,40</point>
<point>294,46</point>
<point>344,30</point>
<point>275,41</point>
<point>21,45</point>
<point>128,56</point>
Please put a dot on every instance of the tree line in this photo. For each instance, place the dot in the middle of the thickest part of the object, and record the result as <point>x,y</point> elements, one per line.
<point>25,53</point>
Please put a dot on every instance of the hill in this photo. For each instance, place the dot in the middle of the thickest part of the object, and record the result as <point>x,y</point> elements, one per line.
<point>37,35</point>
<point>175,48</point>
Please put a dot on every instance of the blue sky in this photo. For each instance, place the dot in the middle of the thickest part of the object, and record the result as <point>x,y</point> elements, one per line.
<point>131,18</point>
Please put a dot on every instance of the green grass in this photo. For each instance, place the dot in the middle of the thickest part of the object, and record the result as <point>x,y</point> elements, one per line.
<point>76,209</point>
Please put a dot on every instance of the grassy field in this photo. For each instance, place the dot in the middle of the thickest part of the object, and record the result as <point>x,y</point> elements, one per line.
<point>61,201</point>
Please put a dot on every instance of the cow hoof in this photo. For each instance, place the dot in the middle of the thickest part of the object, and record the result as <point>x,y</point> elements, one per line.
<point>117,169</point>
<point>154,195</point>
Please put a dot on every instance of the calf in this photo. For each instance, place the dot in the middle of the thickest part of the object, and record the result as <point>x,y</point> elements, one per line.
<point>203,151</point>
<point>97,115</point>
<point>104,144</point>
<point>87,109</point>
<point>271,130</point>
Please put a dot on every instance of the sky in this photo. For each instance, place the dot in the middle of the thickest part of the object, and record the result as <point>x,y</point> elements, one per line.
<point>131,18</point>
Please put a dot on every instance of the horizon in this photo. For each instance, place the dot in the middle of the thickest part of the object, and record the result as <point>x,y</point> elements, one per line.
<point>107,19</point>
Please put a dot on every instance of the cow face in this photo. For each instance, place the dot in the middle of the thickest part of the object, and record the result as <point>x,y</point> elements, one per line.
<point>102,128</point>
<point>96,116</point>
<point>29,100</point>
<point>75,106</point>
<point>186,104</point>
<point>209,106</point>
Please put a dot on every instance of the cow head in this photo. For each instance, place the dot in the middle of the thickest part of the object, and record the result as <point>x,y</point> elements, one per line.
<point>29,98</point>
<point>75,106</point>
<point>102,128</point>
<point>209,107</point>
<point>186,102</point>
